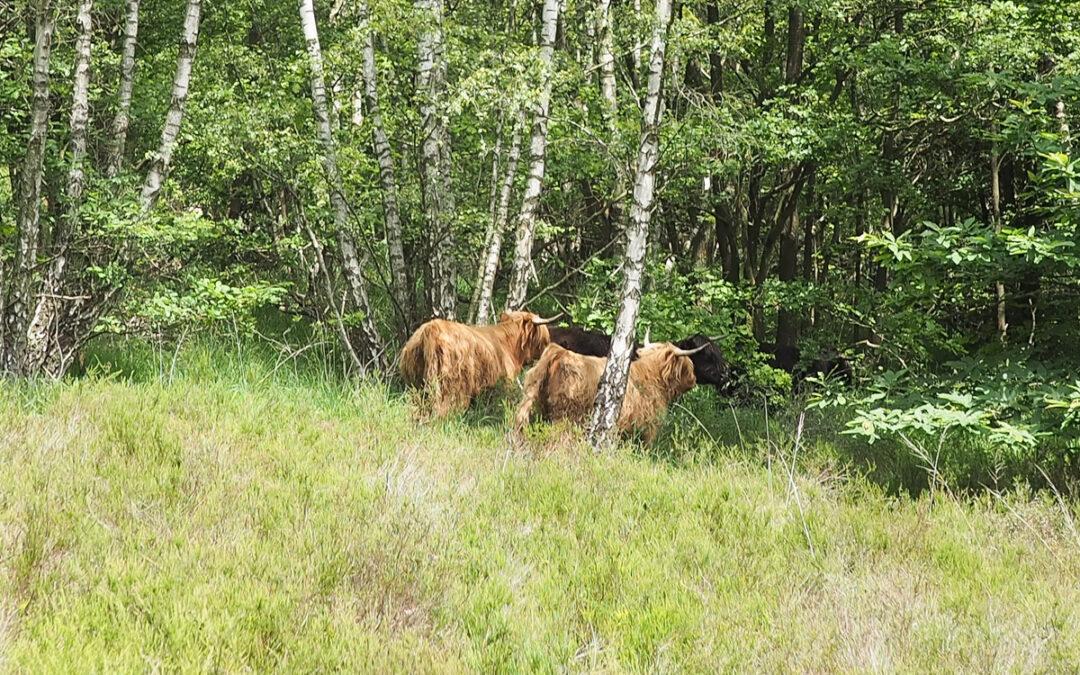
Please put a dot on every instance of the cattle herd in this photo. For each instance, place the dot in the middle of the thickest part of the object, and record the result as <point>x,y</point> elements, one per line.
<point>453,362</point>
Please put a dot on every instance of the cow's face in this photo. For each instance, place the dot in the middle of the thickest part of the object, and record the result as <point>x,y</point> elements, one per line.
<point>710,366</point>
<point>532,337</point>
<point>671,370</point>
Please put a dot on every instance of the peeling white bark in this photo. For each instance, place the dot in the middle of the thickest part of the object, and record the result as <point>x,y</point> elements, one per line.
<point>353,264</point>
<point>434,159</point>
<point>609,397</point>
<point>29,217</point>
<point>530,201</point>
<point>40,334</point>
<point>489,266</point>
<point>117,146</point>
<point>162,159</point>
<point>391,214</point>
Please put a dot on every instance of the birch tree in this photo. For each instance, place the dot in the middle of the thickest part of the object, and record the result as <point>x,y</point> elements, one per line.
<point>610,110</point>
<point>609,397</point>
<point>606,62</point>
<point>353,264</point>
<point>122,121</point>
<point>42,350</point>
<point>530,201</point>
<point>162,159</point>
<point>20,282</point>
<point>434,159</point>
<point>489,265</point>
<point>392,216</point>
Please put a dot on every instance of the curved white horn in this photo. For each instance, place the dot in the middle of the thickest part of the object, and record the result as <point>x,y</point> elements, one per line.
<point>688,352</point>
<point>537,320</point>
<point>648,343</point>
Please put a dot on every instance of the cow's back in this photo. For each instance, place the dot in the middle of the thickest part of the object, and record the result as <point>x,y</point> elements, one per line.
<point>454,353</point>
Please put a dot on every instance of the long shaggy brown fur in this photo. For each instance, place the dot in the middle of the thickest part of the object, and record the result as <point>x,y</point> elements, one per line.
<point>563,384</point>
<point>454,362</point>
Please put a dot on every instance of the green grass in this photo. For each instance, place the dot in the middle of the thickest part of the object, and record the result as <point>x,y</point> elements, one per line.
<point>226,510</point>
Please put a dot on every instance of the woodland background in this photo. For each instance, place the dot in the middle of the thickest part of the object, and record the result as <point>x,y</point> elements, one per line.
<point>892,180</point>
<point>216,230</point>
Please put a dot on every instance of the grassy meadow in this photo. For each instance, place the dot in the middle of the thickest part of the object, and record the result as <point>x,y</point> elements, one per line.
<point>222,508</point>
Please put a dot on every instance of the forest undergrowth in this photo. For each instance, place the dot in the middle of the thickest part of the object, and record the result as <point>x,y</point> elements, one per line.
<point>224,506</point>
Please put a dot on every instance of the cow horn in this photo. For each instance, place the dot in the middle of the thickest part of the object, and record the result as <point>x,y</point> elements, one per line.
<point>537,320</point>
<point>648,343</point>
<point>688,352</point>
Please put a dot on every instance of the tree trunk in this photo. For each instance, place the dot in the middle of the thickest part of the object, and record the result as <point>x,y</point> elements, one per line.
<point>29,217</point>
<point>42,334</point>
<point>1063,123</point>
<point>530,201</point>
<point>117,145</point>
<point>398,279</point>
<point>995,214</point>
<point>606,61</point>
<point>635,52</point>
<point>353,264</point>
<point>490,263</point>
<point>162,159</point>
<point>435,166</point>
<point>787,320</point>
<point>609,397</point>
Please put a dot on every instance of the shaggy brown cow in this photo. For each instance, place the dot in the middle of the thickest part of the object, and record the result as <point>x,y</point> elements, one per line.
<point>455,362</point>
<point>564,383</point>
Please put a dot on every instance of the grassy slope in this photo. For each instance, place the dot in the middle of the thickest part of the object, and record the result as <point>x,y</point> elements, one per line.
<point>235,517</point>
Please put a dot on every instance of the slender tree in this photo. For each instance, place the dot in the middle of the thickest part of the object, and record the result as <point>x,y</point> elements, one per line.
<point>787,320</point>
<point>995,215</point>
<point>41,351</point>
<point>609,397</point>
<point>20,281</point>
<point>162,159</point>
<point>606,60</point>
<point>352,263</point>
<point>121,122</point>
<point>489,265</point>
<point>435,159</point>
<point>399,284</point>
<point>530,201</point>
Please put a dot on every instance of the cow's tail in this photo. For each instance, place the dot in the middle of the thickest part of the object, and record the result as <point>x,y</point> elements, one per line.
<point>420,358</point>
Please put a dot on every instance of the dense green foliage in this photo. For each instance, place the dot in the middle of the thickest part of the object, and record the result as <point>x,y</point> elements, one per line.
<point>826,178</point>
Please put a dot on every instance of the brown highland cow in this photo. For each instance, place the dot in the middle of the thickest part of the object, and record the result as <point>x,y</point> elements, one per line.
<point>454,362</point>
<point>564,383</point>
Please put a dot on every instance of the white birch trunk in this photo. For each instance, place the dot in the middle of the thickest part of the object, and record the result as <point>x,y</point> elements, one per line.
<point>489,266</point>
<point>352,262</point>
<point>358,107</point>
<point>606,61</point>
<point>80,108</point>
<point>530,201</point>
<point>29,217</point>
<point>391,214</point>
<point>118,144</point>
<point>159,165</point>
<point>493,210</point>
<point>41,335</point>
<point>995,214</point>
<point>636,53</point>
<point>609,397</point>
<point>434,158</point>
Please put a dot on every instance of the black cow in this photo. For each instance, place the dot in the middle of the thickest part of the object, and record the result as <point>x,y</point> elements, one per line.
<point>584,341</point>
<point>710,366</point>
